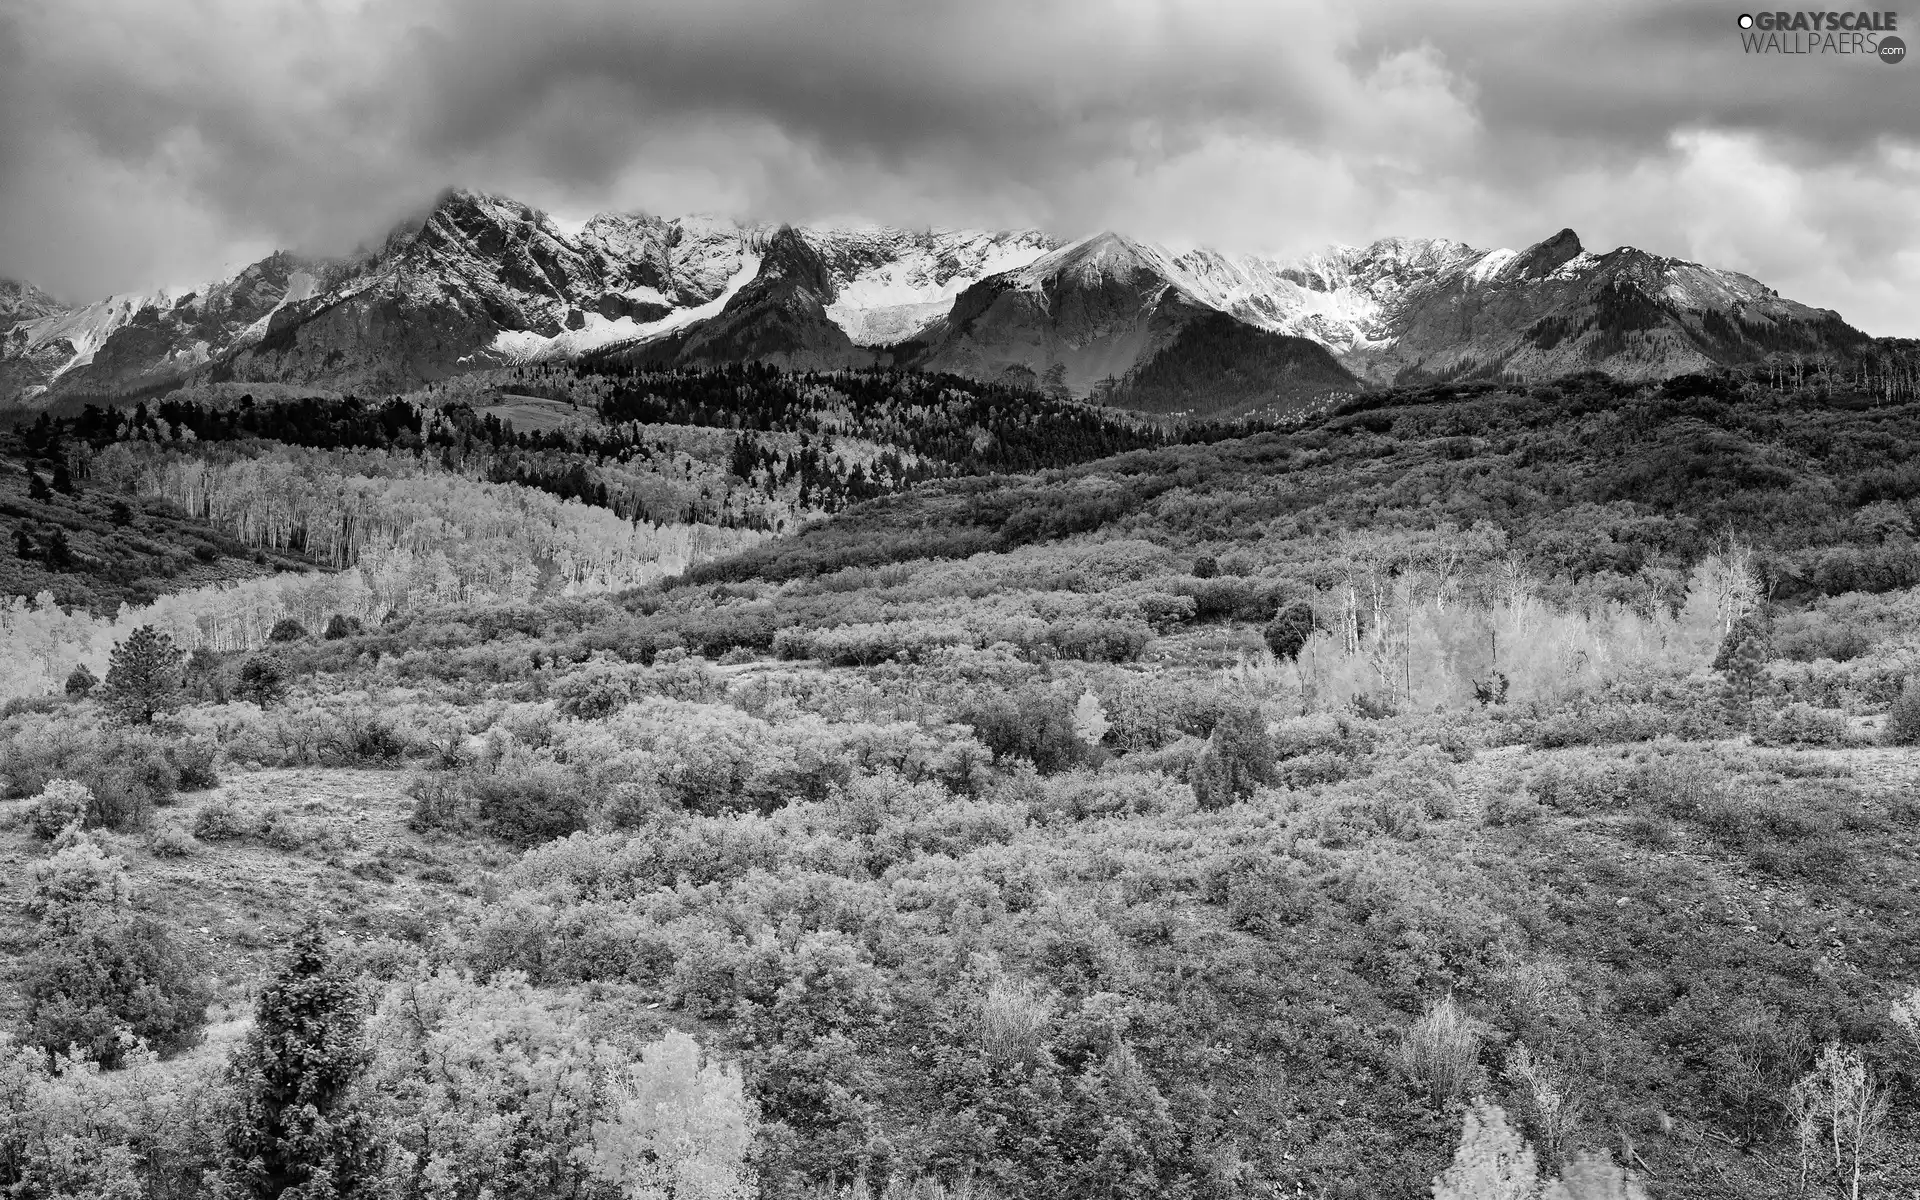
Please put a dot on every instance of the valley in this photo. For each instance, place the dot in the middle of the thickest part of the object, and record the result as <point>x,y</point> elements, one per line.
<point>1010,795</point>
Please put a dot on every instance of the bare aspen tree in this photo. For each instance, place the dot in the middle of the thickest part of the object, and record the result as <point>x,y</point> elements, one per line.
<point>1838,1108</point>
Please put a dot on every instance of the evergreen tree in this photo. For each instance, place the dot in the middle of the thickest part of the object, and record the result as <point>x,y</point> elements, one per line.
<point>122,514</point>
<point>286,629</point>
<point>296,1130</point>
<point>263,680</point>
<point>1289,630</point>
<point>1238,757</point>
<point>1743,656</point>
<point>143,677</point>
<point>24,546</point>
<point>203,676</point>
<point>37,488</point>
<point>62,479</point>
<point>56,553</point>
<point>81,681</point>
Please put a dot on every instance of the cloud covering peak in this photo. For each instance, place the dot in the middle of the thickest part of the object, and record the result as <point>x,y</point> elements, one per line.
<point>162,144</point>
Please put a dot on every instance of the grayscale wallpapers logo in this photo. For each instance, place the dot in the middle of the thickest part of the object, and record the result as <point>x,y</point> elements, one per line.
<point>1865,34</point>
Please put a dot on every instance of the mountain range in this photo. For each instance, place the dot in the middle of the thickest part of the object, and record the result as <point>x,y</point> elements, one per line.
<point>485,281</point>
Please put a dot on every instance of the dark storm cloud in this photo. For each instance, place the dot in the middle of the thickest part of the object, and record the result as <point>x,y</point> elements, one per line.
<point>1624,76</point>
<point>158,143</point>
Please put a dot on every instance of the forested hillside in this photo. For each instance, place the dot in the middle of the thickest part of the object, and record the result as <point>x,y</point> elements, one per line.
<point>1467,787</point>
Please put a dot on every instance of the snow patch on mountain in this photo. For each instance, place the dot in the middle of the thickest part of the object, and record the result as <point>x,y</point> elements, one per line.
<point>1491,264</point>
<point>85,329</point>
<point>301,285</point>
<point>516,346</point>
<point>890,284</point>
<point>1341,297</point>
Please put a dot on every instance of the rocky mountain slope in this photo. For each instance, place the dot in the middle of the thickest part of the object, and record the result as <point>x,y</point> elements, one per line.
<point>483,281</point>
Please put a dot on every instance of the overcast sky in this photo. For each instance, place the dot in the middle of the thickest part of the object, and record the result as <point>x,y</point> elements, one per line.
<point>146,144</point>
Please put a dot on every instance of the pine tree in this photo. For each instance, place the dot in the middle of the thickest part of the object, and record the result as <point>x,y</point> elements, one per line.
<point>62,479</point>
<point>1290,629</point>
<point>1743,657</point>
<point>263,680</point>
<point>81,681</point>
<point>143,677</point>
<point>1238,757</point>
<point>56,553</point>
<point>296,1129</point>
<point>37,488</point>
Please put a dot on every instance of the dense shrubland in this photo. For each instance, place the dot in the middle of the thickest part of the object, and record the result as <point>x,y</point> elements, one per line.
<point>1312,814</point>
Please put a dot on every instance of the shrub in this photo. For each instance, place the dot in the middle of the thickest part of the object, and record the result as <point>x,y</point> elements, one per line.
<point>220,821</point>
<point>28,704</point>
<point>1802,725</point>
<point>368,739</point>
<point>1100,641</point>
<point>171,841</point>
<point>282,830</point>
<point>1164,611</point>
<point>676,1127</point>
<point>286,629</point>
<point>112,973</point>
<point>1205,567</point>
<point>340,626</point>
<point>630,806</point>
<point>1266,894</point>
<point>1512,808</point>
<point>61,803</point>
<point>1441,1050</point>
<point>1032,724</point>
<point>597,692</point>
<point>137,777</point>
<point>1314,767</point>
<point>530,804</point>
<point>78,884</point>
<point>194,764</point>
<point>437,803</point>
<point>1332,733</point>
<point>1903,718</point>
<point>143,677</point>
<point>81,681</point>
